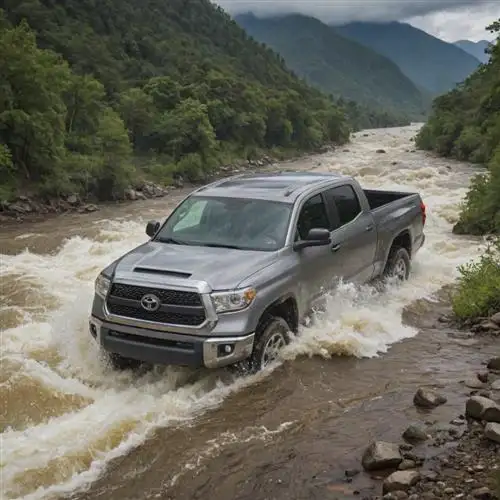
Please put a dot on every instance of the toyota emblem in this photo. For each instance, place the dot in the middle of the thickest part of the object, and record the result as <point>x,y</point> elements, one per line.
<point>150,302</point>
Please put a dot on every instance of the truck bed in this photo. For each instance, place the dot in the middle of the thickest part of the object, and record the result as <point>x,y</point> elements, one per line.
<point>378,198</point>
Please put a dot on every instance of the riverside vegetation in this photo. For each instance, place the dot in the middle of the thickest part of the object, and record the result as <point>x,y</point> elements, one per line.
<point>465,124</point>
<point>97,97</point>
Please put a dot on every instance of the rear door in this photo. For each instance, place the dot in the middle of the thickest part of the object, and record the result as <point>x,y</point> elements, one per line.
<point>354,234</point>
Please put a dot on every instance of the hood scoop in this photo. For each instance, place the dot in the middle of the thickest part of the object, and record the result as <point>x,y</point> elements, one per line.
<point>162,272</point>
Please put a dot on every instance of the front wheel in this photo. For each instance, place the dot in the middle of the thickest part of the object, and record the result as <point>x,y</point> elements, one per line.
<point>272,335</point>
<point>398,264</point>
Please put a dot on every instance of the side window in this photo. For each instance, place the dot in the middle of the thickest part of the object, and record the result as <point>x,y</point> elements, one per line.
<point>346,202</point>
<point>312,215</point>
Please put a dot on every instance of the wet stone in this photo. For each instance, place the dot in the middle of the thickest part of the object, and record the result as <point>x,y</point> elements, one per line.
<point>492,432</point>
<point>425,398</point>
<point>474,383</point>
<point>477,405</point>
<point>415,433</point>
<point>381,455</point>
<point>401,481</point>
<point>494,364</point>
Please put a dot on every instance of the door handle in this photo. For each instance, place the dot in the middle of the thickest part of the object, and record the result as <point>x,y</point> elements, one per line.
<point>336,247</point>
<point>369,227</point>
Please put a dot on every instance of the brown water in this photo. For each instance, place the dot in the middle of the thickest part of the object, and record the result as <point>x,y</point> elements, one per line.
<point>69,423</point>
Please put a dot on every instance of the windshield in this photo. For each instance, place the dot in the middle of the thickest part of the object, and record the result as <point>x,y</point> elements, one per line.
<point>244,224</point>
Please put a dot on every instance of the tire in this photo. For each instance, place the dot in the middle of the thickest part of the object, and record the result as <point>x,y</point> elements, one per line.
<point>398,264</point>
<point>121,363</point>
<point>273,330</point>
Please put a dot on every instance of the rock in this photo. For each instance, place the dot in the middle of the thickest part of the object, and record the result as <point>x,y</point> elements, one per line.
<point>407,464</point>
<point>72,199</point>
<point>415,433</point>
<point>130,194</point>
<point>483,376</point>
<point>488,326</point>
<point>492,432</point>
<point>401,480</point>
<point>89,208</point>
<point>494,364</point>
<point>351,472</point>
<point>396,495</point>
<point>381,455</point>
<point>425,398</point>
<point>496,318</point>
<point>483,493</point>
<point>474,383</point>
<point>495,386</point>
<point>492,414</point>
<point>380,151</point>
<point>477,405</point>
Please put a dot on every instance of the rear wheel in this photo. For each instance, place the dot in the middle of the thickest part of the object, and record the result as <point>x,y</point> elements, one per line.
<point>398,264</point>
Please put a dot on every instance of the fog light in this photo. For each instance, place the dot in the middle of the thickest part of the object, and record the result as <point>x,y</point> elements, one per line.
<point>225,349</point>
<point>93,330</point>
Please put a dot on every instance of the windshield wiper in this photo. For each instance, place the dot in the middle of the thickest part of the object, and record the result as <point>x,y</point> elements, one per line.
<point>221,245</point>
<point>172,240</point>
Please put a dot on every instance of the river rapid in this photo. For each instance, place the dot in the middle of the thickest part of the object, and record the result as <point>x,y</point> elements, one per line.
<point>72,427</point>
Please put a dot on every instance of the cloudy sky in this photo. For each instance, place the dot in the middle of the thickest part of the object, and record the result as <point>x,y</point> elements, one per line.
<point>448,19</point>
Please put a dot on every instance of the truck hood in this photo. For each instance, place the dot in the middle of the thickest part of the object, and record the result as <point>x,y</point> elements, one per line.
<point>221,268</point>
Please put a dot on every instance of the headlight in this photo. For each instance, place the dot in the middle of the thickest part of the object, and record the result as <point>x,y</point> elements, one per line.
<point>236,300</point>
<point>102,286</point>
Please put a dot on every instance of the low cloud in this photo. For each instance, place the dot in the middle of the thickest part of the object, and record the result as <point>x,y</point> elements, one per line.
<point>342,11</point>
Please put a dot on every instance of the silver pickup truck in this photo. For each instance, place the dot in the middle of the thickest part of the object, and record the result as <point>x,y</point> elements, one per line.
<point>240,263</point>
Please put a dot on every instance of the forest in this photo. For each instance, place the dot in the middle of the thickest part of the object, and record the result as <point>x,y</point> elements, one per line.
<point>95,94</point>
<point>465,125</point>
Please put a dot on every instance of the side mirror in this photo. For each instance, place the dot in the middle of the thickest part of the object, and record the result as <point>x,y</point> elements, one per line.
<point>152,228</point>
<point>317,237</point>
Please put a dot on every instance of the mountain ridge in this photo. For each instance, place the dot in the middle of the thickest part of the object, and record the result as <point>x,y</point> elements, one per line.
<point>476,49</point>
<point>428,61</point>
<point>336,64</point>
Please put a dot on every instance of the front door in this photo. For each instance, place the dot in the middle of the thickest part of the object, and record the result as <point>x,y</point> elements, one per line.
<point>319,266</point>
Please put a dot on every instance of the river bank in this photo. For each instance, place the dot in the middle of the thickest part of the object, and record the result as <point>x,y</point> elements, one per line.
<point>32,208</point>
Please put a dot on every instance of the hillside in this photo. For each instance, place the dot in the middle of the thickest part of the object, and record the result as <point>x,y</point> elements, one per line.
<point>429,62</point>
<point>465,124</point>
<point>93,89</point>
<point>476,49</point>
<point>336,64</point>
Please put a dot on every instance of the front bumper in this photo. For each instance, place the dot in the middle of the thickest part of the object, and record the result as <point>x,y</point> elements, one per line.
<point>155,347</point>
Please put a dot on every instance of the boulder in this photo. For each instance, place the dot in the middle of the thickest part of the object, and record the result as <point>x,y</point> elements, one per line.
<point>477,405</point>
<point>401,480</point>
<point>492,414</point>
<point>495,386</point>
<point>381,455</point>
<point>492,431</point>
<point>474,383</point>
<point>380,151</point>
<point>425,398</point>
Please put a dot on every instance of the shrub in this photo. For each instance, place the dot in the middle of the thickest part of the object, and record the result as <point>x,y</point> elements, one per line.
<point>478,291</point>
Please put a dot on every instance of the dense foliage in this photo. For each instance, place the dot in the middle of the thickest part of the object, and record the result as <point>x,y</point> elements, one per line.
<point>339,66</point>
<point>92,90</point>
<point>465,124</point>
<point>478,293</point>
<point>433,65</point>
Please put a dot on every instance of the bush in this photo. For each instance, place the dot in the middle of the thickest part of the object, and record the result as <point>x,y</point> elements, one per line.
<point>478,291</point>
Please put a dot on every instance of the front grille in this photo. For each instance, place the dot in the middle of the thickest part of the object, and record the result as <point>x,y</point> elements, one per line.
<point>156,316</point>
<point>177,307</point>
<point>171,297</point>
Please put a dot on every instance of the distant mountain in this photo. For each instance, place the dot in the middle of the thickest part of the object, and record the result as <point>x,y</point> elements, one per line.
<point>429,62</point>
<point>336,64</point>
<point>476,49</point>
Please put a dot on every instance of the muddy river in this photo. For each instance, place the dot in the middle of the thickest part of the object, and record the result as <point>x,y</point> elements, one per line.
<point>73,428</point>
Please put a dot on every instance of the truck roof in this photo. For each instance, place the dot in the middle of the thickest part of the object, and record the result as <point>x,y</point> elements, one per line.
<point>277,186</point>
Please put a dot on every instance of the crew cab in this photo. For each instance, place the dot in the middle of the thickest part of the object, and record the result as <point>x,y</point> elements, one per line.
<point>239,263</point>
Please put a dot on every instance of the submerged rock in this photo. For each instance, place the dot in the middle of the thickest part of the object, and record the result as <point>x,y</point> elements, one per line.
<point>494,364</point>
<point>425,398</point>
<point>415,433</point>
<point>381,455</point>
